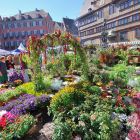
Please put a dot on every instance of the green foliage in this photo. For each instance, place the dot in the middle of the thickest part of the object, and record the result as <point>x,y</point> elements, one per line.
<point>62,127</point>
<point>55,69</point>
<point>29,88</point>
<point>17,129</point>
<point>66,99</point>
<point>123,55</point>
<point>94,90</point>
<point>134,52</point>
<point>121,73</point>
<point>84,65</point>
<point>63,65</point>
<point>10,94</point>
<point>90,120</point>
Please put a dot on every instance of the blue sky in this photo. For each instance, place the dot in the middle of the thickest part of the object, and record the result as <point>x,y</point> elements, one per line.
<point>57,8</point>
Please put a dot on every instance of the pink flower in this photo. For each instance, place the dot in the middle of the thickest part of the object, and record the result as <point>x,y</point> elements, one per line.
<point>133,135</point>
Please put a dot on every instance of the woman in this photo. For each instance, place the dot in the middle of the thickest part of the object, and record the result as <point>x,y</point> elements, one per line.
<point>9,63</point>
<point>3,71</point>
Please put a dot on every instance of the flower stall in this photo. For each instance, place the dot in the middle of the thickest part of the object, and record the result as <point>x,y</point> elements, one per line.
<point>83,95</point>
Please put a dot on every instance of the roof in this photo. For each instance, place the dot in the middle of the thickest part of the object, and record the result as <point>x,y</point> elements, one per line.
<point>70,26</point>
<point>85,7</point>
<point>60,24</point>
<point>28,15</point>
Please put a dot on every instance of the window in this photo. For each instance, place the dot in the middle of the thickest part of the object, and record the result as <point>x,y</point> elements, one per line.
<point>100,14</point>
<point>16,34</point>
<point>10,34</point>
<point>99,29</point>
<point>12,43</point>
<point>124,21</point>
<point>23,33</point>
<point>90,32</point>
<point>15,24</point>
<point>19,34</point>
<point>24,24</point>
<point>40,23</point>
<point>3,26</point>
<point>111,25</point>
<point>112,9</point>
<point>35,32</point>
<point>37,23</point>
<point>32,32</point>
<point>18,25</point>
<point>41,32</point>
<point>31,24</point>
<point>136,17</point>
<point>13,34</point>
<point>29,33</point>
<point>34,23</point>
<point>125,4</point>
<point>82,34</point>
<point>123,36</point>
<point>38,32</point>
<point>12,25</point>
<point>28,24</point>
<point>138,32</point>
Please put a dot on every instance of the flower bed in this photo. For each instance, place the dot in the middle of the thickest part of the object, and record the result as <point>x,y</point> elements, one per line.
<point>17,129</point>
<point>6,118</point>
<point>101,115</point>
<point>25,103</point>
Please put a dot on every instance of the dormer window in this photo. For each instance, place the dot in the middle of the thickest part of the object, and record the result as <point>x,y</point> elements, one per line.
<point>29,17</point>
<point>22,17</point>
<point>89,10</point>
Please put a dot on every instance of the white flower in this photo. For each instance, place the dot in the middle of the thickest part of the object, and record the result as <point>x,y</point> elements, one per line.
<point>2,112</point>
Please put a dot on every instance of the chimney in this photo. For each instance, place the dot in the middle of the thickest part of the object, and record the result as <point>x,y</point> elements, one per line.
<point>19,12</point>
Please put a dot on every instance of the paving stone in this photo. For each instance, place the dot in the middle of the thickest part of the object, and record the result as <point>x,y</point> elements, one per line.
<point>47,131</point>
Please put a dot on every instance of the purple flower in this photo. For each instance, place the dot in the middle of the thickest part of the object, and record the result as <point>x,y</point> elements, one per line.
<point>25,103</point>
<point>15,76</point>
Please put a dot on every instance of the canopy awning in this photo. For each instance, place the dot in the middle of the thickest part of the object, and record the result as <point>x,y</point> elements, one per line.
<point>125,43</point>
<point>4,52</point>
<point>19,50</point>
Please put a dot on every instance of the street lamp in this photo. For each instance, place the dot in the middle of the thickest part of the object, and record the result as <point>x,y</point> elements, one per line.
<point>104,34</point>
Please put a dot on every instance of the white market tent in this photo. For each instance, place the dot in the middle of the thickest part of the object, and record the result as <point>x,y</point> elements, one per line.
<point>4,52</point>
<point>19,50</point>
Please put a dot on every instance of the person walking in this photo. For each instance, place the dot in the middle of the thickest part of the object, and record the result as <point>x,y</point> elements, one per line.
<point>3,70</point>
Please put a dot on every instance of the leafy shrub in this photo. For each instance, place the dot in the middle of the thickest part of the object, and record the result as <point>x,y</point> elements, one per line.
<point>56,68</point>
<point>121,72</point>
<point>66,99</point>
<point>90,120</point>
<point>10,94</point>
<point>94,90</point>
<point>30,89</point>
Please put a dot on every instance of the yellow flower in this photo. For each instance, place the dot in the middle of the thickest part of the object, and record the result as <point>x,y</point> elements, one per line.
<point>99,83</point>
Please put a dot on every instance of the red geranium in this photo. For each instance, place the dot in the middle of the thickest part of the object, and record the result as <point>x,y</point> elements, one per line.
<point>2,122</point>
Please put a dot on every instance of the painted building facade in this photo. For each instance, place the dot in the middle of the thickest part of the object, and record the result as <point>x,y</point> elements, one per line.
<point>120,19</point>
<point>17,29</point>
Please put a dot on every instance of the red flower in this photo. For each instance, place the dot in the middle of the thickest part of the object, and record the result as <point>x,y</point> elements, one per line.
<point>3,122</point>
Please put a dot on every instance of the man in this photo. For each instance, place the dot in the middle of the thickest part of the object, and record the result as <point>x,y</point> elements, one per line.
<point>3,70</point>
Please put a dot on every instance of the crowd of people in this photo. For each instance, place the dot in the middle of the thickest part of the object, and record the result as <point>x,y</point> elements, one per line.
<point>7,64</point>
